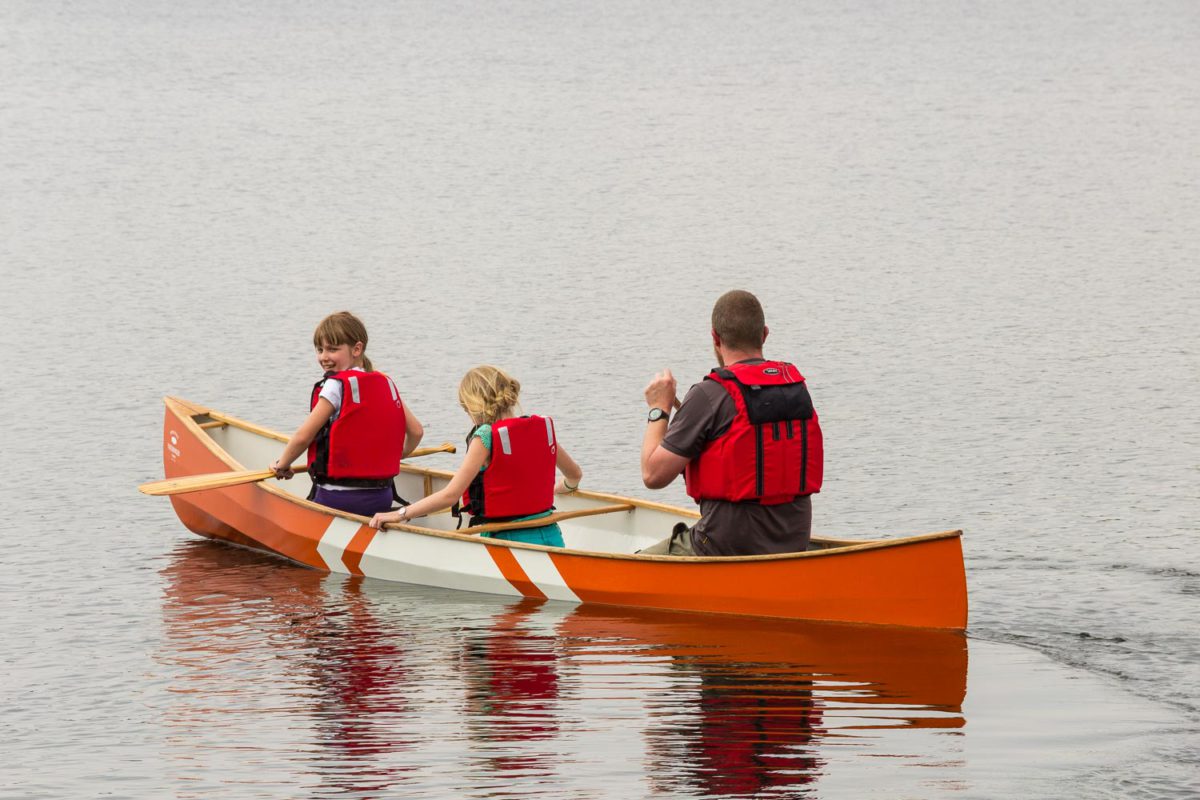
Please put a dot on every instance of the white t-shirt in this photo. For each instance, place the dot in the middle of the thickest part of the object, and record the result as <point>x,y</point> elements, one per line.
<point>332,391</point>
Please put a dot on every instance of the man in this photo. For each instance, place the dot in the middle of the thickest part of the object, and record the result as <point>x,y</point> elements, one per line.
<point>747,440</point>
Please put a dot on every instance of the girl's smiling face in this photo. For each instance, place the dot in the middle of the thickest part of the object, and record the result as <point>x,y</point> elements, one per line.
<point>339,357</point>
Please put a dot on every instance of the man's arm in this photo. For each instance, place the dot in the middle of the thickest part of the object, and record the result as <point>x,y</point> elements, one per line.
<point>659,465</point>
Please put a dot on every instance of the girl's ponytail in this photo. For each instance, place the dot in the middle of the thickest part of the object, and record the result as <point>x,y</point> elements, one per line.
<point>487,393</point>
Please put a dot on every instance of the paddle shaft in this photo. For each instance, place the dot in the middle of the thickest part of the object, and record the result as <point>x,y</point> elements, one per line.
<point>220,480</point>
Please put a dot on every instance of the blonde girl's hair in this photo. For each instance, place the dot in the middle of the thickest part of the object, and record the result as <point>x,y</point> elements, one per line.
<point>487,392</point>
<point>343,328</point>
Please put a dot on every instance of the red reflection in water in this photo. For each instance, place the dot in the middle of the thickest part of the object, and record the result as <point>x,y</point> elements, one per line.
<point>357,669</point>
<point>512,689</point>
<point>748,734</point>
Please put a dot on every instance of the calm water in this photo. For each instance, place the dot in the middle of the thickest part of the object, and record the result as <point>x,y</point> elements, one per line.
<point>974,227</point>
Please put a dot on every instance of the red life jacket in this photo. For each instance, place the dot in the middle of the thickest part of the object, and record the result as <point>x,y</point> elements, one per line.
<point>773,451</point>
<point>363,444</point>
<point>519,480</point>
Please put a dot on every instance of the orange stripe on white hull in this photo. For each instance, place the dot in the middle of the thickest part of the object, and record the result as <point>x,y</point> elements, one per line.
<point>514,573</point>
<point>540,569</point>
<point>357,548</point>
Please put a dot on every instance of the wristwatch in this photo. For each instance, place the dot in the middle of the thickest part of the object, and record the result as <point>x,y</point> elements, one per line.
<point>656,414</point>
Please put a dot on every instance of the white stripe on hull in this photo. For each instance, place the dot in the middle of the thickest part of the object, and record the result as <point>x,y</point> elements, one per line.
<point>432,561</point>
<point>334,541</point>
<point>541,570</point>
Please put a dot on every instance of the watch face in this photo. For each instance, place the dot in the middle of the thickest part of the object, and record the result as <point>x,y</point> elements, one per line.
<point>656,414</point>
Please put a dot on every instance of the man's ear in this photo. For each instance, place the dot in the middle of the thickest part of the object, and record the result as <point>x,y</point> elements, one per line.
<point>766,330</point>
<point>716,339</point>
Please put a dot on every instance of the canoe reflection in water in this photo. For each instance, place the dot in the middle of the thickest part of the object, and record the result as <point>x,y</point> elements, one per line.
<point>763,697</point>
<point>270,653</point>
<point>372,688</point>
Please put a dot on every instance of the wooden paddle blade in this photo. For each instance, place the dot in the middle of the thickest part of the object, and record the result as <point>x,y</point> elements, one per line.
<point>209,480</point>
<point>198,483</point>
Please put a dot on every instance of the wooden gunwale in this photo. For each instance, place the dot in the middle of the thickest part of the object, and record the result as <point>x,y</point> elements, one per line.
<point>185,411</point>
<point>247,426</point>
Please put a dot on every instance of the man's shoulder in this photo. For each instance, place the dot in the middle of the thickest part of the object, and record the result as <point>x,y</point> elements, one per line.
<point>708,398</point>
<point>706,413</point>
<point>707,391</point>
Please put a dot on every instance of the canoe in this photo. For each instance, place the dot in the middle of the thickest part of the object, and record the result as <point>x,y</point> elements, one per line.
<point>913,581</point>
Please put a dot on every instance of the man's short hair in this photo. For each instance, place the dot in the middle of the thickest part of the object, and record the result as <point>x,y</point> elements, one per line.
<point>737,317</point>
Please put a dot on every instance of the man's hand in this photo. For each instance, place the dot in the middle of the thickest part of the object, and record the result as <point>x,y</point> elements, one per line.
<point>659,465</point>
<point>661,391</point>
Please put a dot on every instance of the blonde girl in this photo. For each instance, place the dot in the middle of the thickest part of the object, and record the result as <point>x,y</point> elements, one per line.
<point>508,473</point>
<point>358,428</point>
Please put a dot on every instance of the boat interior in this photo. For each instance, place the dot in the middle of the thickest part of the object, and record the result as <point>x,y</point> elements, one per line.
<point>590,521</point>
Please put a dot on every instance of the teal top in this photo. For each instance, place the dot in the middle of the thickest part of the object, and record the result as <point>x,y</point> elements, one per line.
<point>549,534</point>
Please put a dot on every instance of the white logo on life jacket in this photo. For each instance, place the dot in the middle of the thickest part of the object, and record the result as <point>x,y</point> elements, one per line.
<point>395,394</point>
<point>771,371</point>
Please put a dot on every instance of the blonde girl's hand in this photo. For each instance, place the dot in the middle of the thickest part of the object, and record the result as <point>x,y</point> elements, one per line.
<point>379,519</point>
<point>282,472</point>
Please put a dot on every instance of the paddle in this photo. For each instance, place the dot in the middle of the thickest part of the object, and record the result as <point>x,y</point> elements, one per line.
<point>219,480</point>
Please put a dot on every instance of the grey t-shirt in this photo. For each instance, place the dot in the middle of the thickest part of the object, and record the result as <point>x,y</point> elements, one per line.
<point>725,528</point>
